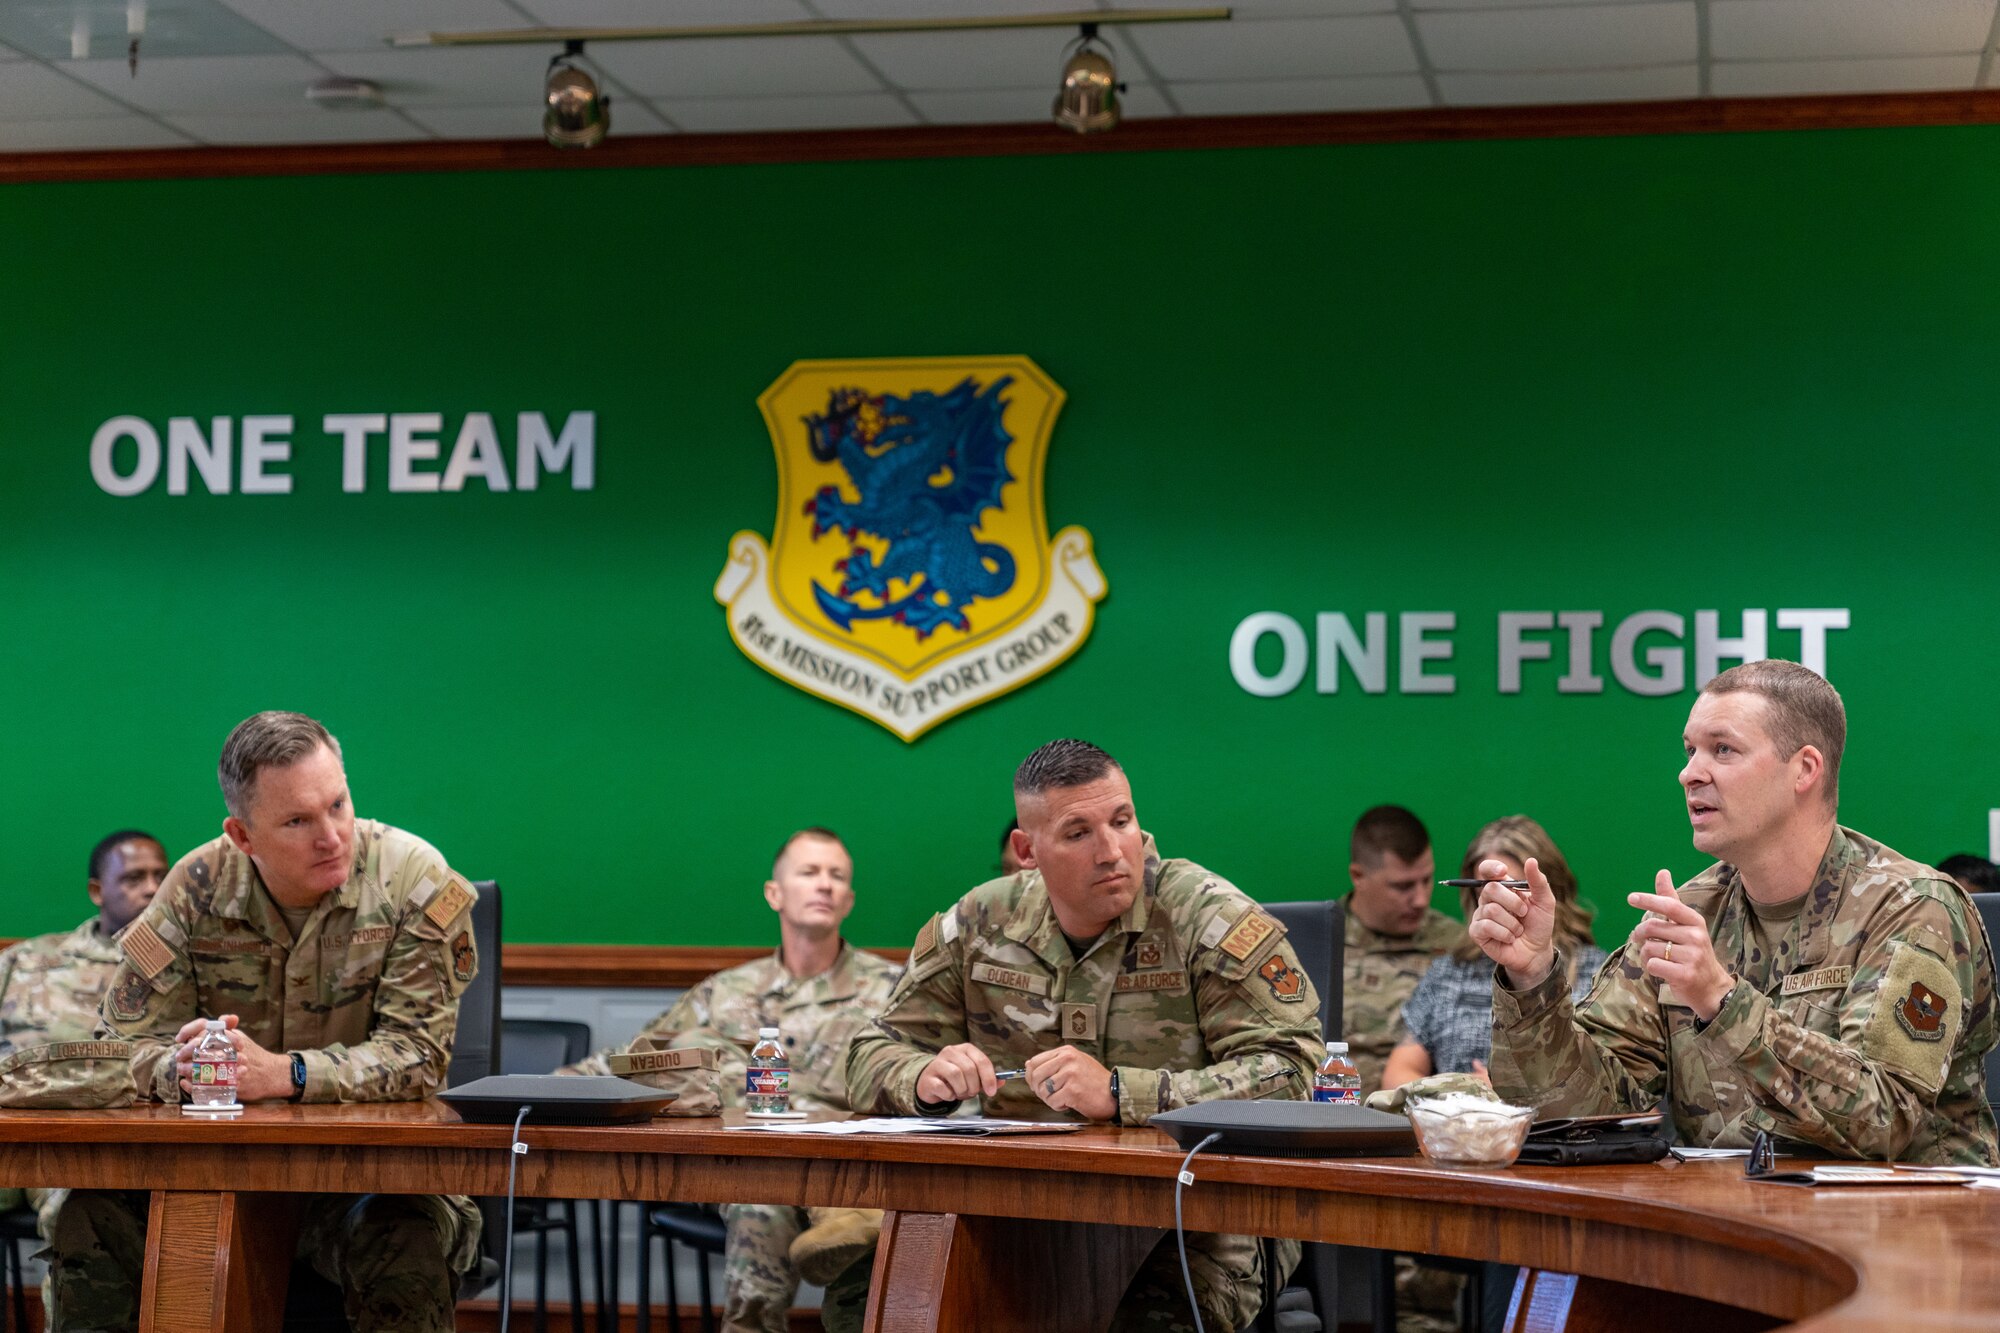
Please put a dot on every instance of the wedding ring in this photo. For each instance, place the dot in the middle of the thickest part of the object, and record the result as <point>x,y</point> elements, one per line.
<point>1049,1086</point>
<point>1668,956</point>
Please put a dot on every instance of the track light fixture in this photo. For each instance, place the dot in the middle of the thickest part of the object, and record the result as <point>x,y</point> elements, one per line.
<point>1087,100</point>
<point>577,115</point>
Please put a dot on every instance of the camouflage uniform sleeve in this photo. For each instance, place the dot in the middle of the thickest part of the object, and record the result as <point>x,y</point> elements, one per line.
<point>690,1024</point>
<point>7,1006</point>
<point>430,961</point>
<point>1868,1092</point>
<point>1259,1016</point>
<point>924,1014</point>
<point>597,1062</point>
<point>1605,1056</point>
<point>152,993</point>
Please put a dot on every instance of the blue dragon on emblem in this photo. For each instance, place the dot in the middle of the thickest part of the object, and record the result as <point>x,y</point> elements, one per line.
<point>926,469</point>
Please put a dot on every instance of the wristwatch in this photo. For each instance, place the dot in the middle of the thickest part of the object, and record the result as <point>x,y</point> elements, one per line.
<point>1114,1094</point>
<point>298,1076</point>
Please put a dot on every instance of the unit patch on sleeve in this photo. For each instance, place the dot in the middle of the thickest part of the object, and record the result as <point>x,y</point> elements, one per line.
<point>1283,979</point>
<point>464,960</point>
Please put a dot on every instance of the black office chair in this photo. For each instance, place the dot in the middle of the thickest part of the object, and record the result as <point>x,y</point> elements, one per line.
<point>1317,932</point>
<point>537,1046</point>
<point>314,1305</point>
<point>1989,912</point>
<point>17,1228</point>
<point>701,1230</point>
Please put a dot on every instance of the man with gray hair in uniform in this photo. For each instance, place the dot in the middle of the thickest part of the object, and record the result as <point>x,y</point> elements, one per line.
<point>1124,984</point>
<point>340,947</point>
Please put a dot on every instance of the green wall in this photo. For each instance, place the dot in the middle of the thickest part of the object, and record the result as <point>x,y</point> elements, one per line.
<point>1616,374</point>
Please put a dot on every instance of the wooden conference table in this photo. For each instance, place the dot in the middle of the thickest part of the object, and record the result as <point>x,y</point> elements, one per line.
<point>988,1234</point>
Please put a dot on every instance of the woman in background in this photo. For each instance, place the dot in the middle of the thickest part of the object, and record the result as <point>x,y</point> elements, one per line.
<point>1450,1016</point>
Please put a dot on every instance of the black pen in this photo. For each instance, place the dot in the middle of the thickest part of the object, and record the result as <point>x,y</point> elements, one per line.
<point>1477,883</point>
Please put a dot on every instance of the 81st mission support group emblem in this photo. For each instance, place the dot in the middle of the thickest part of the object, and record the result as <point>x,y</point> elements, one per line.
<point>911,575</point>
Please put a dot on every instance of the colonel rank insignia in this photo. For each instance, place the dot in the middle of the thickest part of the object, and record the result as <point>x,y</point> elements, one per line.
<point>910,575</point>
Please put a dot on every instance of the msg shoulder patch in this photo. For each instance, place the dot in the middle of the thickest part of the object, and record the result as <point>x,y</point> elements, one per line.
<point>450,900</point>
<point>1915,1023</point>
<point>1251,930</point>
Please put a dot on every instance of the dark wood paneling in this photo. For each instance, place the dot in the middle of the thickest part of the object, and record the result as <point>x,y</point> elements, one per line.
<point>667,967</point>
<point>1706,116</point>
<point>626,964</point>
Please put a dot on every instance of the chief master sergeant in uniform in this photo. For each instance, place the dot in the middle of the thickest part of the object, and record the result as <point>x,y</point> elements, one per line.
<point>51,985</point>
<point>337,948</point>
<point>1814,984</point>
<point>1124,984</point>
<point>818,991</point>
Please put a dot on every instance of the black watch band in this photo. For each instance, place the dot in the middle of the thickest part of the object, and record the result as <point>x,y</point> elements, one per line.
<point>1114,1095</point>
<point>298,1076</point>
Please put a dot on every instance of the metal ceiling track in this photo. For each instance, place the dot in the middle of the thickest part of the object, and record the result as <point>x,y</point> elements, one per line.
<point>808,28</point>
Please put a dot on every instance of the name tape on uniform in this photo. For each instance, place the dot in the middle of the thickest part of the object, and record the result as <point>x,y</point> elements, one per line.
<point>70,1050</point>
<point>1007,977</point>
<point>1144,981</point>
<point>660,1062</point>
<point>1822,978</point>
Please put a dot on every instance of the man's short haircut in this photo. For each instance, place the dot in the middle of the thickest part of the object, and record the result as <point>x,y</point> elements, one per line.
<point>1966,868</point>
<point>1063,763</point>
<point>1802,710</point>
<point>109,842</point>
<point>1387,828</point>
<point>810,831</point>
<point>267,740</point>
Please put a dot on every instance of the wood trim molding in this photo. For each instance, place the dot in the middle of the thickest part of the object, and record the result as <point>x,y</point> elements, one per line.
<point>659,966</point>
<point>1700,116</point>
<point>654,966</point>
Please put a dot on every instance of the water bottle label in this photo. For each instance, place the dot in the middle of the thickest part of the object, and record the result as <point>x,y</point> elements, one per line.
<point>1326,1092</point>
<point>767,1082</point>
<point>214,1073</point>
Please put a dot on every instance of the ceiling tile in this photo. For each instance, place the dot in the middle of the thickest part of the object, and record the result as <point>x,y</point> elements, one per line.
<point>1783,78</point>
<point>1269,96</point>
<point>451,76</point>
<point>1799,29</point>
<point>364,25</point>
<point>1421,6</point>
<point>1583,85</point>
<point>1009,106</point>
<point>1017,59</point>
<point>1568,37</point>
<point>523,120</point>
<point>84,133</point>
<point>30,91</point>
<point>174,28</point>
<point>705,115</point>
<point>1279,49</point>
<point>661,13</point>
<point>234,85</point>
<point>736,67</point>
<point>309,126</point>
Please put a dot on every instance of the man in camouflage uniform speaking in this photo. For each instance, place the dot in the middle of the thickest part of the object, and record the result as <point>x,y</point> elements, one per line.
<point>336,949</point>
<point>1814,984</point>
<point>817,990</point>
<point>51,986</point>
<point>1125,986</point>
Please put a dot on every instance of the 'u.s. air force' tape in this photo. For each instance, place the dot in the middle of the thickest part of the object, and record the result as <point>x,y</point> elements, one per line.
<point>661,1062</point>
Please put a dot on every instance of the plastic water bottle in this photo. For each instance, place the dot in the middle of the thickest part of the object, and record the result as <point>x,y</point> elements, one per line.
<point>767,1083</point>
<point>1337,1081</point>
<point>216,1062</point>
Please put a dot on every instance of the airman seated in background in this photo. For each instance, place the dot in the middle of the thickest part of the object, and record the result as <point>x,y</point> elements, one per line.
<point>1125,986</point>
<point>1391,936</point>
<point>1814,984</point>
<point>817,990</point>
<point>51,985</point>
<point>337,949</point>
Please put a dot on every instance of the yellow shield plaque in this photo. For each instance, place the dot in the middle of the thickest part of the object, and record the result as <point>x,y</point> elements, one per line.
<point>910,574</point>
